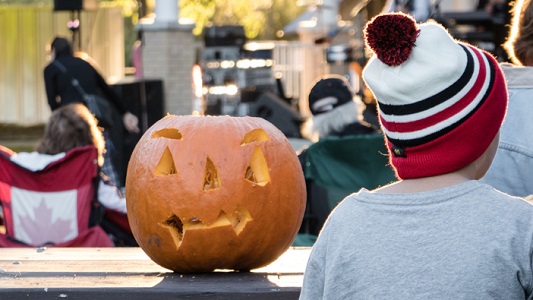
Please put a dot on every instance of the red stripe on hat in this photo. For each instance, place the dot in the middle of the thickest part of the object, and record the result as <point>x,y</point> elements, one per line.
<point>464,144</point>
<point>404,127</point>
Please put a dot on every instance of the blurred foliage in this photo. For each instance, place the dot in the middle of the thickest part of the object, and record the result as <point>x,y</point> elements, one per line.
<point>250,14</point>
<point>201,11</point>
<point>261,19</point>
<point>129,7</point>
<point>26,1</point>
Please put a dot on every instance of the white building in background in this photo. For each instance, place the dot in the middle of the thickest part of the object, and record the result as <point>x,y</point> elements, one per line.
<point>167,11</point>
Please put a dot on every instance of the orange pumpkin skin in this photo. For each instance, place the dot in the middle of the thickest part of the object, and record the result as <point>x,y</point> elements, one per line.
<point>214,192</point>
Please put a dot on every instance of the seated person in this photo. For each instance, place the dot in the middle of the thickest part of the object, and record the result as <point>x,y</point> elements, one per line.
<point>72,126</point>
<point>335,109</point>
<point>337,114</point>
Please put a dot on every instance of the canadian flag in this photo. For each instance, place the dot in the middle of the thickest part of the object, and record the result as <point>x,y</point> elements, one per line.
<point>47,202</point>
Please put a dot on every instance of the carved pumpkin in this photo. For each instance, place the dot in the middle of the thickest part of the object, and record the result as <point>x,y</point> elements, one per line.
<point>214,192</point>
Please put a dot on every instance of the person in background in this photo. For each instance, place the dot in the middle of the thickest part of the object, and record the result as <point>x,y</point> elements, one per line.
<point>436,233</point>
<point>336,124</point>
<point>336,110</point>
<point>72,126</point>
<point>512,169</point>
<point>69,127</point>
<point>60,91</point>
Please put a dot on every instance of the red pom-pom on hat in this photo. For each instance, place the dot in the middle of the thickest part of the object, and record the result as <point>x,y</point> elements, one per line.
<point>392,37</point>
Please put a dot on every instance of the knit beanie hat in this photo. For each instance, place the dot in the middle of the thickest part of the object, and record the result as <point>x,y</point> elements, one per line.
<point>328,93</point>
<point>441,102</point>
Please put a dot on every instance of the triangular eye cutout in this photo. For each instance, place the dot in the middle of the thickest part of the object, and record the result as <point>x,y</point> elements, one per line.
<point>211,177</point>
<point>166,164</point>
<point>257,170</point>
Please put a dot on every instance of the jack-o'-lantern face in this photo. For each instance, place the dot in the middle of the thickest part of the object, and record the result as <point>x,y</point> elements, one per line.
<point>207,193</point>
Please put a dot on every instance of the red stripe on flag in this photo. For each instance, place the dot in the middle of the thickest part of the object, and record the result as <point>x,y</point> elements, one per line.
<point>77,168</point>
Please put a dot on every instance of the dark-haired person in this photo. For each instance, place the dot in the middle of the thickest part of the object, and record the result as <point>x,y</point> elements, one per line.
<point>60,91</point>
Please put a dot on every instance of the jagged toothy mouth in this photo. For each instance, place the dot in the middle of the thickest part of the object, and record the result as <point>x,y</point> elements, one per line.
<point>237,220</point>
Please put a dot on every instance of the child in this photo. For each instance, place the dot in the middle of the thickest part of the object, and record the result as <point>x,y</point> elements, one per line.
<point>437,233</point>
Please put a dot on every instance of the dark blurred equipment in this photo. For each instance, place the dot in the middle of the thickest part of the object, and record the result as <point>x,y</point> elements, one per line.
<point>145,99</point>
<point>70,5</point>
<point>74,7</point>
<point>131,94</point>
<point>488,28</point>
<point>238,80</point>
<point>220,36</point>
<point>273,109</point>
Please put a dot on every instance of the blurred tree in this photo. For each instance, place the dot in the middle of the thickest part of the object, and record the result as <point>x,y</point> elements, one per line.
<point>201,11</point>
<point>283,13</point>
<point>261,19</point>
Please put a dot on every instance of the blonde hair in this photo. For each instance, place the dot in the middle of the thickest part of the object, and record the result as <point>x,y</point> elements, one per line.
<point>519,44</point>
<point>71,126</point>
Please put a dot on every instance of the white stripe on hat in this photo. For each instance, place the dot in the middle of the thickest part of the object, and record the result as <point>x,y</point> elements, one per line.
<point>450,121</point>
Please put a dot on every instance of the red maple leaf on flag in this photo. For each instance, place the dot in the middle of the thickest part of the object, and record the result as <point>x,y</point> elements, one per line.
<point>43,230</point>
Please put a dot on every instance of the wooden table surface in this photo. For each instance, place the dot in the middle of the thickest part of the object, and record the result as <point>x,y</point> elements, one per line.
<point>128,273</point>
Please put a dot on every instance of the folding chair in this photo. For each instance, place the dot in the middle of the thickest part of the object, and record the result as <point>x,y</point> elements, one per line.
<point>53,206</point>
<point>335,167</point>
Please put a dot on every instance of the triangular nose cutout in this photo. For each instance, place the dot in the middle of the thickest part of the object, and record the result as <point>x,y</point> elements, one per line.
<point>211,177</point>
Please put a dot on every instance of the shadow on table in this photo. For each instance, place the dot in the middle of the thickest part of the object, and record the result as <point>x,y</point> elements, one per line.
<point>161,286</point>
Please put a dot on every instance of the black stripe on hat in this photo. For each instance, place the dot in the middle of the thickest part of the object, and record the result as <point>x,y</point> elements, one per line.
<point>432,101</point>
<point>437,134</point>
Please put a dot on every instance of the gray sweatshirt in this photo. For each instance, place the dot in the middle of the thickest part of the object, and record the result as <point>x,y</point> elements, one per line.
<point>467,241</point>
